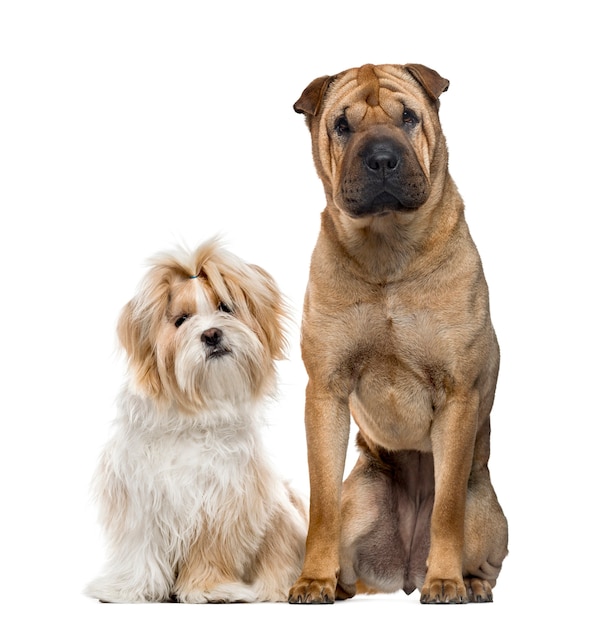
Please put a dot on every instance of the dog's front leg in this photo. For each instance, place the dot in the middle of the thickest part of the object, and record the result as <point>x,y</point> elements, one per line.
<point>452,439</point>
<point>327,423</point>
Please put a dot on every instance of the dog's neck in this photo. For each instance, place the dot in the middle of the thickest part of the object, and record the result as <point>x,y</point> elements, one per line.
<point>382,249</point>
<point>143,413</point>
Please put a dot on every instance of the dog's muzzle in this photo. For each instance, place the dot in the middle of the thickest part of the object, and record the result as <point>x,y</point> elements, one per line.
<point>384,176</point>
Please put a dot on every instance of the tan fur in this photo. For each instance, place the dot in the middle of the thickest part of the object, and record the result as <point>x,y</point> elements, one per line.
<point>396,330</point>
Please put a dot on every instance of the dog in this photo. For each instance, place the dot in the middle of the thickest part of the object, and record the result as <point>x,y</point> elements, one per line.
<point>192,509</point>
<point>396,331</point>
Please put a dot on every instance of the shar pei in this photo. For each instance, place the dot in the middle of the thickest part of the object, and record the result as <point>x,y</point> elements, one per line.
<point>396,332</point>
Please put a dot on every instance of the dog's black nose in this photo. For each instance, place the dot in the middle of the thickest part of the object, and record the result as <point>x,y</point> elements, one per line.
<point>211,336</point>
<point>382,159</point>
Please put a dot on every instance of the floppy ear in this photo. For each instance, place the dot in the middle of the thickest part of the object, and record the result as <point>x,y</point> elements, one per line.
<point>137,328</point>
<point>312,97</point>
<point>433,84</point>
<point>269,309</point>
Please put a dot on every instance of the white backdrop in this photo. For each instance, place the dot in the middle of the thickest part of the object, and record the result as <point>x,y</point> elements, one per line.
<point>126,127</point>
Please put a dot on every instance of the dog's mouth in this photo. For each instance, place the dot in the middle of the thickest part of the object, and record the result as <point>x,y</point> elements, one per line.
<point>217,352</point>
<point>386,201</point>
<point>382,204</point>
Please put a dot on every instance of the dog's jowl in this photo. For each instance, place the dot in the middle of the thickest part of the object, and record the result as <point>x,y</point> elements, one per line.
<point>397,332</point>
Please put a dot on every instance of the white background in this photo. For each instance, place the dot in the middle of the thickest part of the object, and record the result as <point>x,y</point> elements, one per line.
<point>126,127</point>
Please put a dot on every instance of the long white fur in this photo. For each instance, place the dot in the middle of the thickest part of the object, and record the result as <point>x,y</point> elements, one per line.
<point>189,502</point>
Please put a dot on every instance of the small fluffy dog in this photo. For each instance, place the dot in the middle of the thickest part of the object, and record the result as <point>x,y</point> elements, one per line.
<point>190,506</point>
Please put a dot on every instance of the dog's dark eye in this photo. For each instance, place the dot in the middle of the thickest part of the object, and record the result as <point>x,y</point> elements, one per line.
<point>179,321</point>
<point>224,308</point>
<point>341,126</point>
<point>409,117</point>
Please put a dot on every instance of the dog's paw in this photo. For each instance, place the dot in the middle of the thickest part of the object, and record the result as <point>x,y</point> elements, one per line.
<point>478,590</point>
<point>313,591</point>
<point>191,597</point>
<point>225,593</point>
<point>444,591</point>
<point>116,592</point>
<point>344,591</point>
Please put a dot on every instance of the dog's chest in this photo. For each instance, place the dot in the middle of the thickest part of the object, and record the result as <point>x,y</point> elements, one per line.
<point>403,372</point>
<point>385,336</point>
<point>189,470</point>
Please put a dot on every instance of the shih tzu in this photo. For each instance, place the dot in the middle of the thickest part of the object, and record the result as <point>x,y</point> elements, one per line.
<point>191,509</point>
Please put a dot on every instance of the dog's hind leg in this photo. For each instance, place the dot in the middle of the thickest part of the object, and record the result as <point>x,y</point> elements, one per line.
<point>259,567</point>
<point>485,527</point>
<point>485,538</point>
<point>280,557</point>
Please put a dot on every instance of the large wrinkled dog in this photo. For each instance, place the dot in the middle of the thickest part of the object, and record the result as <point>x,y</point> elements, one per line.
<point>396,330</point>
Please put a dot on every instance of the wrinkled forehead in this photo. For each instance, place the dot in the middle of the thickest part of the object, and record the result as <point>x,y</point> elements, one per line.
<point>384,89</point>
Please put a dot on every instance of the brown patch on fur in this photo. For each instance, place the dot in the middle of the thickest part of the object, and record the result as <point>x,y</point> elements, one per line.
<point>245,549</point>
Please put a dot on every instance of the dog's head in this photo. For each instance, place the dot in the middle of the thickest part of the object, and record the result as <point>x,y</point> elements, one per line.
<point>204,327</point>
<point>375,133</point>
